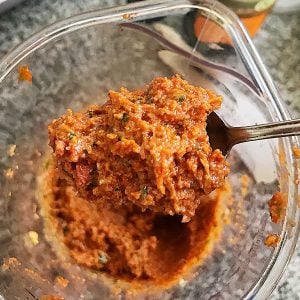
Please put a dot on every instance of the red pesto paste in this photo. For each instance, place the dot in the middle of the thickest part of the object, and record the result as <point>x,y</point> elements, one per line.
<point>147,147</point>
<point>129,182</point>
<point>125,242</point>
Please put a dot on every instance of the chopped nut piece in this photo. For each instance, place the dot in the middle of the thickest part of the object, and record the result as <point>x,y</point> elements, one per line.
<point>11,150</point>
<point>61,281</point>
<point>31,239</point>
<point>9,173</point>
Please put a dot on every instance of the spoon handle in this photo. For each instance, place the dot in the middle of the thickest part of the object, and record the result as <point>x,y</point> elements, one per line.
<point>265,131</point>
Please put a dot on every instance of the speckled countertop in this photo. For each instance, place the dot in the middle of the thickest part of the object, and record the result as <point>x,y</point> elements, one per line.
<point>278,43</point>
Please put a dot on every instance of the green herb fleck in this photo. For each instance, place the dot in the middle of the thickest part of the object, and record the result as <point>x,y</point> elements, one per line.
<point>91,186</point>
<point>139,99</point>
<point>66,230</point>
<point>125,118</point>
<point>126,162</point>
<point>103,259</point>
<point>149,100</point>
<point>144,191</point>
<point>47,164</point>
<point>71,135</point>
<point>90,113</point>
<point>66,172</point>
<point>181,98</point>
<point>93,182</point>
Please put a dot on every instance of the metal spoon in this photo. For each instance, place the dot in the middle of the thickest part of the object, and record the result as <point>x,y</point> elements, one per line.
<point>224,137</point>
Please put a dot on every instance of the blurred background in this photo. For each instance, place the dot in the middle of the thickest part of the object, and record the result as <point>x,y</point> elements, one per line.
<point>273,25</point>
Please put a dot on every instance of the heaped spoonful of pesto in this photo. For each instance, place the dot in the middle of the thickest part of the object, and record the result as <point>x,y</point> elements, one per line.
<point>147,147</point>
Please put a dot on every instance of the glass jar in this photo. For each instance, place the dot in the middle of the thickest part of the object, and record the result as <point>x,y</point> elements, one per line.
<point>251,12</point>
<point>75,62</point>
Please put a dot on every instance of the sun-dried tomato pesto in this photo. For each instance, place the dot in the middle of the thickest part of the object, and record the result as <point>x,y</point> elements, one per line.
<point>125,242</point>
<point>147,147</point>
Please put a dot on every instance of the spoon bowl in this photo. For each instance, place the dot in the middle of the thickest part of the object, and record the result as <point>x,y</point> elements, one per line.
<point>222,136</point>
